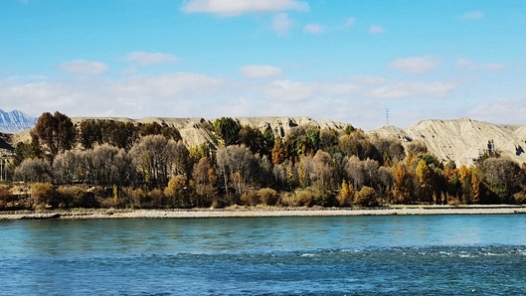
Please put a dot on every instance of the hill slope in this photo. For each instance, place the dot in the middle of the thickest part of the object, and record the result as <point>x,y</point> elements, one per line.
<point>462,140</point>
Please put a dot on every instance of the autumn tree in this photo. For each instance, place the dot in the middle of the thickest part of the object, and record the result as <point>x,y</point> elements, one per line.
<point>182,163</point>
<point>358,144</point>
<point>205,179</point>
<point>227,129</point>
<point>321,171</point>
<point>384,185</point>
<point>176,191</point>
<point>328,139</point>
<point>425,177</point>
<point>34,170</point>
<point>55,131</point>
<point>345,198</point>
<point>403,186</point>
<point>362,173</point>
<point>503,177</point>
<point>100,131</point>
<point>390,149</point>
<point>22,151</point>
<point>69,166</point>
<point>255,140</point>
<point>279,151</point>
<point>108,165</point>
<point>154,128</point>
<point>153,156</point>
<point>366,197</point>
<point>90,132</point>
<point>238,166</point>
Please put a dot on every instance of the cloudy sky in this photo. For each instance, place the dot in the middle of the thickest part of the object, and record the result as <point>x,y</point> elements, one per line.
<point>343,60</point>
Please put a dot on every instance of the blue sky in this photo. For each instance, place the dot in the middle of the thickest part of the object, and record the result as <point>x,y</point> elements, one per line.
<point>346,61</point>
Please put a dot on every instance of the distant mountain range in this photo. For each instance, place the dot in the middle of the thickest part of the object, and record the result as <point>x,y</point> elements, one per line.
<point>15,121</point>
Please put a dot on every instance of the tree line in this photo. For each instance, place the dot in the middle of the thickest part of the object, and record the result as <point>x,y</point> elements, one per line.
<point>99,163</point>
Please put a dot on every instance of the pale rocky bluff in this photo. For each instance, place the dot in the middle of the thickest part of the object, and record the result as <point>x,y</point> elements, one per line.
<point>463,140</point>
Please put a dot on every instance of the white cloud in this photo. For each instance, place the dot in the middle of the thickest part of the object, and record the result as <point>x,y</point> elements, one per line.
<point>314,29</point>
<point>406,89</point>
<point>166,85</point>
<point>466,64</point>
<point>338,88</point>
<point>84,67</point>
<point>504,111</point>
<point>473,15</point>
<point>496,67</point>
<point>350,22</point>
<point>414,65</point>
<point>376,29</point>
<point>281,23</point>
<point>145,58</point>
<point>472,66</point>
<point>359,100</point>
<point>286,90</point>
<point>260,71</point>
<point>36,98</point>
<point>135,97</point>
<point>369,80</point>
<point>289,91</point>
<point>237,7</point>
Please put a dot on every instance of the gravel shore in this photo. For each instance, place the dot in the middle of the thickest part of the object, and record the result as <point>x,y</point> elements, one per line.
<point>259,212</point>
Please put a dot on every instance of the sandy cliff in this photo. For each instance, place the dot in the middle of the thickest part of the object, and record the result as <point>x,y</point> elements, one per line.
<point>462,140</point>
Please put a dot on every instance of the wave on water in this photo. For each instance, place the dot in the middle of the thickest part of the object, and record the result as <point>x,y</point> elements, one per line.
<point>450,270</point>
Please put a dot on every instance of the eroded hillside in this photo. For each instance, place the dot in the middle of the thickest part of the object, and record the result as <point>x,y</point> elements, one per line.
<point>462,140</point>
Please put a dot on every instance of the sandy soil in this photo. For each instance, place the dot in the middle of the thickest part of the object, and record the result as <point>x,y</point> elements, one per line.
<point>260,212</point>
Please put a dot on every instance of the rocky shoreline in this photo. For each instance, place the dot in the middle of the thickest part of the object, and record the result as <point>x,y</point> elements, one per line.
<point>242,212</point>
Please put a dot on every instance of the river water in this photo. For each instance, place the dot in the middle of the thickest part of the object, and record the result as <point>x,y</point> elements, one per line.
<point>384,255</point>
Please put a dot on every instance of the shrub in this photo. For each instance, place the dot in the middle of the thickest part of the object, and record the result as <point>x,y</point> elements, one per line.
<point>5,195</point>
<point>268,196</point>
<point>453,202</point>
<point>321,197</point>
<point>520,197</point>
<point>43,194</point>
<point>75,196</point>
<point>138,197</point>
<point>304,198</point>
<point>157,198</point>
<point>288,199</point>
<point>250,198</point>
<point>366,197</point>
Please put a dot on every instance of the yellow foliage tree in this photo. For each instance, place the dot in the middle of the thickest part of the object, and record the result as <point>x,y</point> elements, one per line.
<point>345,197</point>
<point>403,185</point>
<point>424,175</point>
<point>175,191</point>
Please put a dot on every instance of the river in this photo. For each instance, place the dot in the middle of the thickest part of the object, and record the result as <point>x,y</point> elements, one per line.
<point>365,255</point>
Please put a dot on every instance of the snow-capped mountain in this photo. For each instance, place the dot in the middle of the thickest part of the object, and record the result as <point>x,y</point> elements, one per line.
<point>15,121</point>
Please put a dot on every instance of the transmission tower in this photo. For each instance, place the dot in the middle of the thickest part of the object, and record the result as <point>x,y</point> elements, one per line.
<point>387,116</point>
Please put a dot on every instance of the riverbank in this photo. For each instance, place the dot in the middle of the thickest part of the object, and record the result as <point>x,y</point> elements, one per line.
<point>239,212</point>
